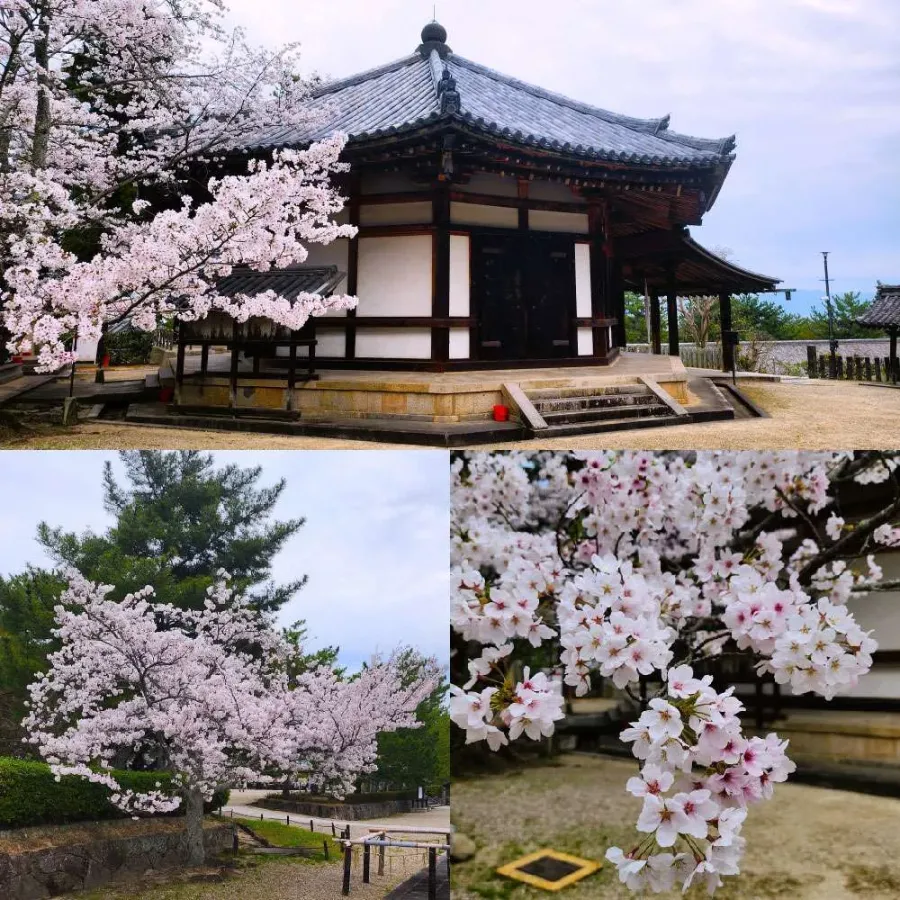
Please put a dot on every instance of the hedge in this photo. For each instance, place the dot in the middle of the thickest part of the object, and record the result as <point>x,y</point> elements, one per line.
<point>31,795</point>
<point>129,347</point>
<point>380,797</point>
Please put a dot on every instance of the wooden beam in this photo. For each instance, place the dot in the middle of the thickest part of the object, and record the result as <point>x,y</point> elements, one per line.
<point>599,309</point>
<point>655,323</point>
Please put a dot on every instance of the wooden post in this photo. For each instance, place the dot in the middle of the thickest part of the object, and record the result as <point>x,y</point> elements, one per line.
<point>432,873</point>
<point>381,857</point>
<point>367,857</point>
<point>100,376</point>
<point>672,312</point>
<point>333,832</point>
<point>233,375</point>
<point>204,359</point>
<point>811,367</point>
<point>822,367</point>
<point>599,310</point>
<point>893,356</point>
<point>353,196</point>
<point>726,325</point>
<point>655,324</point>
<point>179,363</point>
<point>868,368</point>
<point>348,862</point>
<point>839,363</point>
<point>440,297</point>
<point>878,369</point>
<point>325,848</point>
<point>312,827</point>
<point>617,295</point>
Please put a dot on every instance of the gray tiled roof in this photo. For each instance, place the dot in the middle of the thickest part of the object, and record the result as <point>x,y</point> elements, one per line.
<point>885,308</point>
<point>405,94</point>
<point>288,283</point>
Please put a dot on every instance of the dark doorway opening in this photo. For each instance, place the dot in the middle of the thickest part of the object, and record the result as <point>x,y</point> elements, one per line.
<point>523,292</point>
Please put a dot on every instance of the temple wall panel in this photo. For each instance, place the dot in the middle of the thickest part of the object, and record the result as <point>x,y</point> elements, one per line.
<point>585,342</point>
<point>546,220</point>
<point>460,279</point>
<point>394,276</point>
<point>459,343</point>
<point>582,281</point>
<point>554,191</point>
<point>393,343</point>
<point>395,213</point>
<point>487,216</point>
<point>387,183</point>
<point>488,183</point>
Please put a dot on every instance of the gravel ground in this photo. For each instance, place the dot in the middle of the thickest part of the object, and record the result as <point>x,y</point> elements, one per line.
<point>272,880</point>
<point>817,416</point>
<point>806,844</point>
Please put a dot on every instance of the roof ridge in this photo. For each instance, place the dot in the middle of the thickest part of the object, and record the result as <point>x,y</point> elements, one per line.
<point>649,126</point>
<point>722,146</point>
<point>332,86</point>
<point>436,66</point>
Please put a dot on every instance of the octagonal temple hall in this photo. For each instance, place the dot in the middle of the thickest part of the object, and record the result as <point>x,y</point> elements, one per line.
<point>500,226</point>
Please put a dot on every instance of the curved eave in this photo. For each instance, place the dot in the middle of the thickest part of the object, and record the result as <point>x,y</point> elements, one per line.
<point>751,281</point>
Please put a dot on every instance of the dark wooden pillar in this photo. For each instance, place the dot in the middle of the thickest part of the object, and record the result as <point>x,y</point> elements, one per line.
<point>292,371</point>
<point>179,362</point>
<point>352,264</point>
<point>440,296</point>
<point>725,324</point>
<point>672,313</point>
<point>598,279</point>
<point>204,359</point>
<point>617,297</point>
<point>233,373</point>
<point>655,323</point>
<point>893,335</point>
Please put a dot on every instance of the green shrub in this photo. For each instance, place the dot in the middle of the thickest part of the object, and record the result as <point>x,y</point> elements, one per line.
<point>129,347</point>
<point>381,797</point>
<point>31,795</point>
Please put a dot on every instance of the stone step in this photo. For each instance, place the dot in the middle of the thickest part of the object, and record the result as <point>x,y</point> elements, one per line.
<point>9,371</point>
<point>597,427</point>
<point>635,411</point>
<point>604,390</point>
<point>596,401</point>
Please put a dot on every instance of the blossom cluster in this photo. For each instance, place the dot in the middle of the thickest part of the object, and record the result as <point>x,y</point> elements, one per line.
<point>698,777</point>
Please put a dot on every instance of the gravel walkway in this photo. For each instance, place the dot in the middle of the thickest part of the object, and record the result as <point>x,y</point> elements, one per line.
<point>829,415</point>
<point>806,844</point>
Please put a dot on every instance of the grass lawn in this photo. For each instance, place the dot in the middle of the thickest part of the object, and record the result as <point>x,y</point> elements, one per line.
<point>280,835</point>
<point>806,844</point>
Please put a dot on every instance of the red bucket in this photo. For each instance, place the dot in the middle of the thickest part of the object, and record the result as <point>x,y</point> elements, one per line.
<point>501,413</point>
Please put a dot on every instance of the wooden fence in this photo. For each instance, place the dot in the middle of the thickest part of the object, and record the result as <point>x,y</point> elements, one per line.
<point>851,368</point>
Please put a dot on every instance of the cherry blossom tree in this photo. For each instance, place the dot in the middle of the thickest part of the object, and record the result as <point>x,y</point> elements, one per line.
<point>205,696</point>
<point>107,105</point>
<point>644,568</point>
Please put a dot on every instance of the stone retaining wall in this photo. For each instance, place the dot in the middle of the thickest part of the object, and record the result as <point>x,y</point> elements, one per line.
<point>36,863</point>
<point>345,812</point>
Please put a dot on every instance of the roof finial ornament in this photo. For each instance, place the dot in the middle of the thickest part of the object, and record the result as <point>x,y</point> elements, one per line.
<point>434,37</point>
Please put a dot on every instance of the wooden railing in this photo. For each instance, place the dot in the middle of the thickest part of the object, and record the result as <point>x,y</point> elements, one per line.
<point>852,368</point>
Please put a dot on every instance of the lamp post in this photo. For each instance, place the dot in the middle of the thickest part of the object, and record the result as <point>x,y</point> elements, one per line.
<point>832,340</point>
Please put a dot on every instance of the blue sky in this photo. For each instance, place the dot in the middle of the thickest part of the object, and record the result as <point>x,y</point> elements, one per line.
<point>810,87</point>
<point>374,544</point>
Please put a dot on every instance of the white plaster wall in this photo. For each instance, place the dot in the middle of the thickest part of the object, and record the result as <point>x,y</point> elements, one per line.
<point>402,343</point>
<point>331,343</point>
<point>460,279</point>
<point>459,343</point>
<point>490,216</point>
<point>881,681</point>
<point>585,342</point>
<point>395,213</point>
<point>547,220</point>
<point>489,183</point>
<point>394,276</point>
<point>334,254</point>
<point>387,183</point>
<point>87,350</point>
<point>582,281</point>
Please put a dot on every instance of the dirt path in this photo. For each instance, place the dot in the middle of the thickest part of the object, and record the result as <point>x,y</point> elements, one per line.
<point>831,415</point>
<point>806,844</point>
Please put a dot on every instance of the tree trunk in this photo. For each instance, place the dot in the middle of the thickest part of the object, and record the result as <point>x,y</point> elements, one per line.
<point>41,137</point>
<point>193,807</point>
